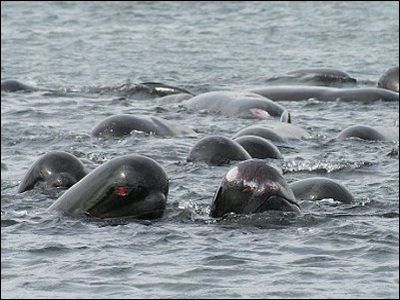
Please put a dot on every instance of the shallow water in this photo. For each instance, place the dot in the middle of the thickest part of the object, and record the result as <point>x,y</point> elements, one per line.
<point>333,251</point>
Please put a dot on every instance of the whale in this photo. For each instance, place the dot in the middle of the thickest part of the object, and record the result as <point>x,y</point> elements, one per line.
<point>288,130</point>
<point>317,188</point>
<point>371,133</point>
<point>144,90</point>
<point>261,131</point>
<point>390,79</point>
<point>160,89</point>
<point>232,103</point>
<point>280,133</point>
<point>12,85</point>
<point>299,93</point>
<point>217,150</point>
<point>253,186</point>
<point>53,169</point>
<point>127,186</point>
<point>124,124</point>
<point>313,76</point>
<point>258,147</point>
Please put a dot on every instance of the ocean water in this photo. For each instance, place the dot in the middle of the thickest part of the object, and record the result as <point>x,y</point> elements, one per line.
<point>333,251</point>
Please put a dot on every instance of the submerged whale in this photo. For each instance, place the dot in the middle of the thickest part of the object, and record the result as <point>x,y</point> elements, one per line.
<point>253,186</point>
<point>372,133</point>
<point>299,93</point>
<point>144,90</point>
<point>313,76</point>
<point>160,89</point>
<point>217,150</point>
<point>127,186</point>
<point>54,169</point>
<point>124,124</point>
<point>261,131</point>
<point>278,132</point>
<point>12,85</point>
<point>317,188</point>
<point>390,79</point>
<point>258,147</point>
<point>229,103</point>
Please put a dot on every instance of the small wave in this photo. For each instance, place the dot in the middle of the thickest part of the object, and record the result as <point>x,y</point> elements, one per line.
<point>50,249</point>
<point>225,260</point>
<point>7,223</point>
<point>320,167</point>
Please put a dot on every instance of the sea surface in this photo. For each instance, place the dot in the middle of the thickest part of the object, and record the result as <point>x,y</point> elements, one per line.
<point>334,250</point>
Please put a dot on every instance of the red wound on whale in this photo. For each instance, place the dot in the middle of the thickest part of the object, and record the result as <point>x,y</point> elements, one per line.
<point>121,190</point>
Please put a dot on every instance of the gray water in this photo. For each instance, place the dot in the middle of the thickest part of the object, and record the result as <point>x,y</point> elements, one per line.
<point>334,251</point>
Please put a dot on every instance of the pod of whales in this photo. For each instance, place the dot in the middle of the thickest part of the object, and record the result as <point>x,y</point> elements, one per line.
<point>253,186</point>
<point>318,188</point>
<point>230,103</point>
<point>372,133</point>
<point>122,125</point>
<point>390,79</point>
<point>299,93</point>
<point>313,76</point>
<point>137,186</point>
<point>54,169</point>
<point>127,186</point>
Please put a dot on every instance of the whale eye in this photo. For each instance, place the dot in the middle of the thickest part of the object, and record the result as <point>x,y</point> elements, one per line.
<point>121,190</point>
